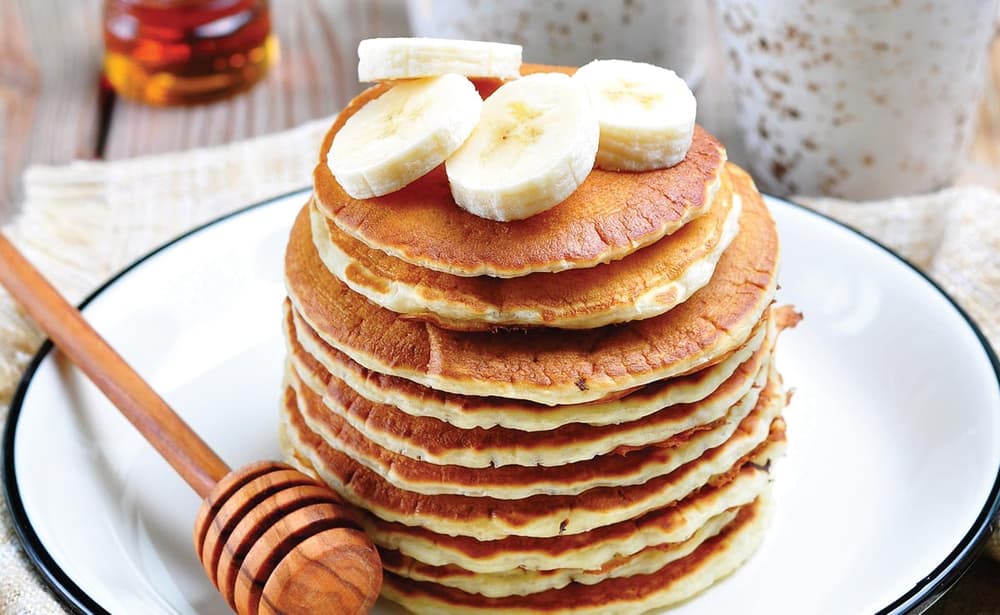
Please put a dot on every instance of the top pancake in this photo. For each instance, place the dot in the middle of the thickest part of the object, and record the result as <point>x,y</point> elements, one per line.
<point>609,216</point>
<point>642,285</point>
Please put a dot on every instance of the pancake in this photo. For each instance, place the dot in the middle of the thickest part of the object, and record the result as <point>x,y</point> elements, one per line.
<point>521,582</point>
<point>644,284</point>
<point>589,550</point>
<point>715,558</point>
<point>610,215</point>
<point>469,412</point>
<point>514,482</point>
<point>487,518</point>
<point>347,416</point>
<point>548,366</point>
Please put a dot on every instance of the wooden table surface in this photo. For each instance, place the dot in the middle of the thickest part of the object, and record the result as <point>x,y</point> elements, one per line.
<point>53,110</point>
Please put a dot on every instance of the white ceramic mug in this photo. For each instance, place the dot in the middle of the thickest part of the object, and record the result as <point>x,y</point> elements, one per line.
<point>574,32</point>
<point>858,99</point>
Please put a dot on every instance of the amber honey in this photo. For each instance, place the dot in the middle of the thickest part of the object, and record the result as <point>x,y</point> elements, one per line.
<point>175,52</point>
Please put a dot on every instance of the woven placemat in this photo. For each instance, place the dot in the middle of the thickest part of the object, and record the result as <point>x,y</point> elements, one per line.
<point>82,222</point>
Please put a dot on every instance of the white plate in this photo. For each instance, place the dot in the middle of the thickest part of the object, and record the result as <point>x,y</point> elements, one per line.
<point>889,482</point>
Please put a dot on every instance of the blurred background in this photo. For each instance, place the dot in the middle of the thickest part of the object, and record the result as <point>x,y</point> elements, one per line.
<point>855,99</point>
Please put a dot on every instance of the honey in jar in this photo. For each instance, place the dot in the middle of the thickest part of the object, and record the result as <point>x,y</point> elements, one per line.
<point>175,52</point>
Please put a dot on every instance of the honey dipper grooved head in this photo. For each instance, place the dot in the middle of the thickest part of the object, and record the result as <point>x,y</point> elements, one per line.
<point>274,540</point>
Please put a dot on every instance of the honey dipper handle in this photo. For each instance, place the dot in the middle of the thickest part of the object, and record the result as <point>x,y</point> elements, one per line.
<point>159,424</point>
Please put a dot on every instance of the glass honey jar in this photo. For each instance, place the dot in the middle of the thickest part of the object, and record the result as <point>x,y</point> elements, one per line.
<point>177,52</point>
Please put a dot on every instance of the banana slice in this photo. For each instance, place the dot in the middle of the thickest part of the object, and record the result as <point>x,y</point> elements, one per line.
<point>403,134</point>
<point>646,114</point>
<point>535,143</point>
<point>381,59</point>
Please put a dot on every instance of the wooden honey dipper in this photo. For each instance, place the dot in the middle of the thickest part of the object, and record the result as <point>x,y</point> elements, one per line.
<point>272,540</point>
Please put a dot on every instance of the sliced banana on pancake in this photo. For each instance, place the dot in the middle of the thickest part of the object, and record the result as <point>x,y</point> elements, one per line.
<point>404,133</point>
<point>382,59</point>
<point>646,114</point>
<point>534,145</point>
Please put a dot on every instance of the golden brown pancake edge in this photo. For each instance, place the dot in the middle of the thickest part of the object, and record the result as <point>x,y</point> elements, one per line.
<point>610,215</point>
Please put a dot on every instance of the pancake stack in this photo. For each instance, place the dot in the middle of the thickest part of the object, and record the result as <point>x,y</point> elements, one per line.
<point>576,411</point>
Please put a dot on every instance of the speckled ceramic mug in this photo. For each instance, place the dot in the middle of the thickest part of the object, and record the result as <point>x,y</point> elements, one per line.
<point>855,98</point>
<point>574,32</point>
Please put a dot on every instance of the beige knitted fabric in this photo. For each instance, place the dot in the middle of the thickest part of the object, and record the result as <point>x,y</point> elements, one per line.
<point>82,222</point>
